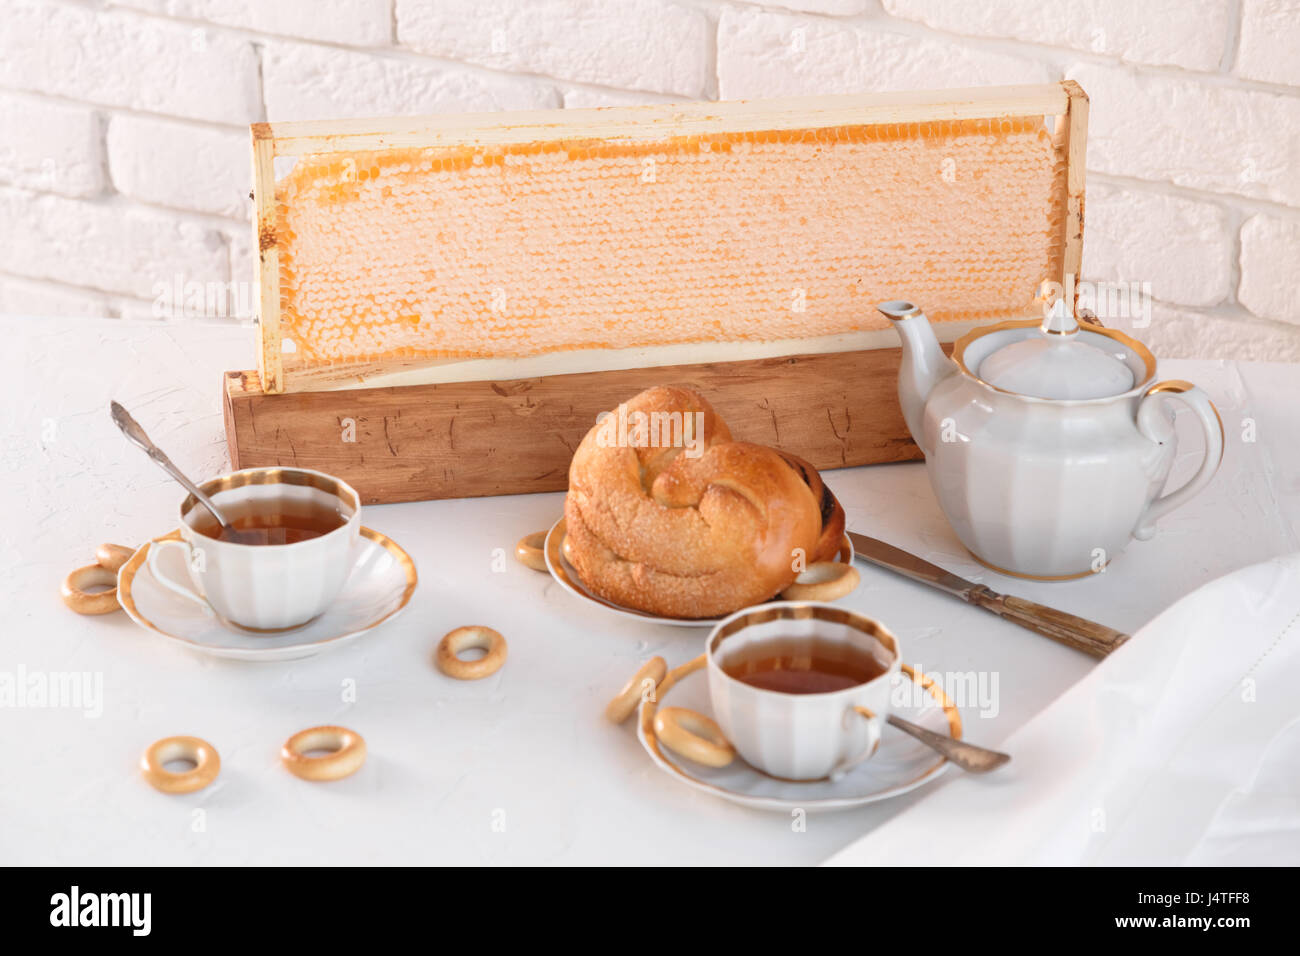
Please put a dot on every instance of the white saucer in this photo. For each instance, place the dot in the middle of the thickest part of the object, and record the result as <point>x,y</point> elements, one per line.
<point>380,585</point>
<point>567,576</point>
<point>900,763</point>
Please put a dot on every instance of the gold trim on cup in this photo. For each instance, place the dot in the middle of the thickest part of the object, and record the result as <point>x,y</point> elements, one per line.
<point>801,611</point>
<point>297,477</point>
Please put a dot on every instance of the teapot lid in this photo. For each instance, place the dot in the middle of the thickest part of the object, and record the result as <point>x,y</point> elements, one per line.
<point>1055,361</point>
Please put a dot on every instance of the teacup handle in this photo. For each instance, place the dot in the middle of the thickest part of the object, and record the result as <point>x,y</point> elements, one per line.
<point>875,728</point>
<point>1152,423</point>
<point>155,549</point>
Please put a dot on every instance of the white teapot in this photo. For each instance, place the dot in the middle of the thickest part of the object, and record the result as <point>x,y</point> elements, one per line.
<point>1046,443</point>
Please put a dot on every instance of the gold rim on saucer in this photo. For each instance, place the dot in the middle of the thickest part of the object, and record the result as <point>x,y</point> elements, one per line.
<point>126,578</point>
<point>649,706</point>
<point>564,572</point>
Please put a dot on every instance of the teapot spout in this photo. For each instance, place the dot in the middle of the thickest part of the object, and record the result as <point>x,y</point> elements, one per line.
<point>924,364</point>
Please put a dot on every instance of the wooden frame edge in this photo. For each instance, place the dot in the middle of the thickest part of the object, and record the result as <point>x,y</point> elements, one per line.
<point>656,120</point>
<point>1076,157</point>
<point>269,360</point>
<point>231,383</point>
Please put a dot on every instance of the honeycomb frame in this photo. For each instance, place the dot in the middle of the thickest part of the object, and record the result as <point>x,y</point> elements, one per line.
<point>455,141</point>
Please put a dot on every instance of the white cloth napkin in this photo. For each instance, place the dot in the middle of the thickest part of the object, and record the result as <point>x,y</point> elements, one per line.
<point>1182,747</point>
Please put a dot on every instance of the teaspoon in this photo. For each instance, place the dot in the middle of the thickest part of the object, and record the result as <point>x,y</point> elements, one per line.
<point>132,430</point>
<point>968,756</point>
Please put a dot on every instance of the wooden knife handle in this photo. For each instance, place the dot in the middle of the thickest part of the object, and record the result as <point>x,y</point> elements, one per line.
<point>1069,629</point>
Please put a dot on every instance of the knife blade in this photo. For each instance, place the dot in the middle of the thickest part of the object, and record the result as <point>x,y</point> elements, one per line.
<point>1069,629</point>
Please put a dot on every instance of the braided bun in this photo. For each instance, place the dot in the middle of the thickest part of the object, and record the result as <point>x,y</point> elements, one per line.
<point>676,519</point>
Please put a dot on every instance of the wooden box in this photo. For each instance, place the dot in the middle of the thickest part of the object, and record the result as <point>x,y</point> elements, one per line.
<point>446,304</point>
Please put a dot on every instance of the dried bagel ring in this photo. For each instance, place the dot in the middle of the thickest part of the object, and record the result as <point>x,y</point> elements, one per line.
<point>694,736</point>
<point>463,639</point>
<point>207,764</point>
<point>113,556</point>
<point>347,753</point>
<point>621,707</point>
<point>83,601</point>
<point>528,551</point>
<point>823,581</point>
<point>103,574</point>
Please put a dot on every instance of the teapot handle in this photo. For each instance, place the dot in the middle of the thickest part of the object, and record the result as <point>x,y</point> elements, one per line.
<point>1155,425</point>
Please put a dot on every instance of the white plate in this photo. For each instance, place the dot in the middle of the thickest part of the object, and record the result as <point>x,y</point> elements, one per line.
<point>900,763</point>
<point>381,584</point>
<point>567,576</point>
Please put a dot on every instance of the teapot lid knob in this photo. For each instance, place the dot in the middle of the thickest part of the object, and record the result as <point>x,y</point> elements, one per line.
<point>1059,320</point>
<point>1057,361</point>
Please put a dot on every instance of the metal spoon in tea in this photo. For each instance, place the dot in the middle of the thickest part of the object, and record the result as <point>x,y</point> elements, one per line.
<point>132,430</point>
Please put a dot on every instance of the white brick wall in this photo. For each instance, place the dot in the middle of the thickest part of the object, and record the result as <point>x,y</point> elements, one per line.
<point>125,60</point>
<point>181,165</point>
<point>1270,248</point>
<point>772,54</point>
<point>50,147</point>
<point>107,246</point>
<point>1270,41</point>
<point>1186,33</point>
<point>1206,137</point>
<point>649,45</point>
<point>301,81</point>
<point>350,22</point>
<point>1183,247</point>
<point>124,141</point>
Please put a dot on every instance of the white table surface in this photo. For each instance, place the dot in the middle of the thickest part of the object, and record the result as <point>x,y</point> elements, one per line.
<point>518,768</point>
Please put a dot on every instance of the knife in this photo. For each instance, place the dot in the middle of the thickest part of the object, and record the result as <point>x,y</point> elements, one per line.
<point>1069,629</point>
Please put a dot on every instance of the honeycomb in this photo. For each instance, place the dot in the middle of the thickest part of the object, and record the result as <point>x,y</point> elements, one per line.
<point>522,249</point>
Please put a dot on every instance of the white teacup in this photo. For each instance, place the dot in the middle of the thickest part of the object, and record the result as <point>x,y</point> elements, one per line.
<point>272,587</point>
<point>801,736</point>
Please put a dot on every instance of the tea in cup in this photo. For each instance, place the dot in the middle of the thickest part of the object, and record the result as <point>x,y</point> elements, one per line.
<point>801,689</point>
<point>293,545</point>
